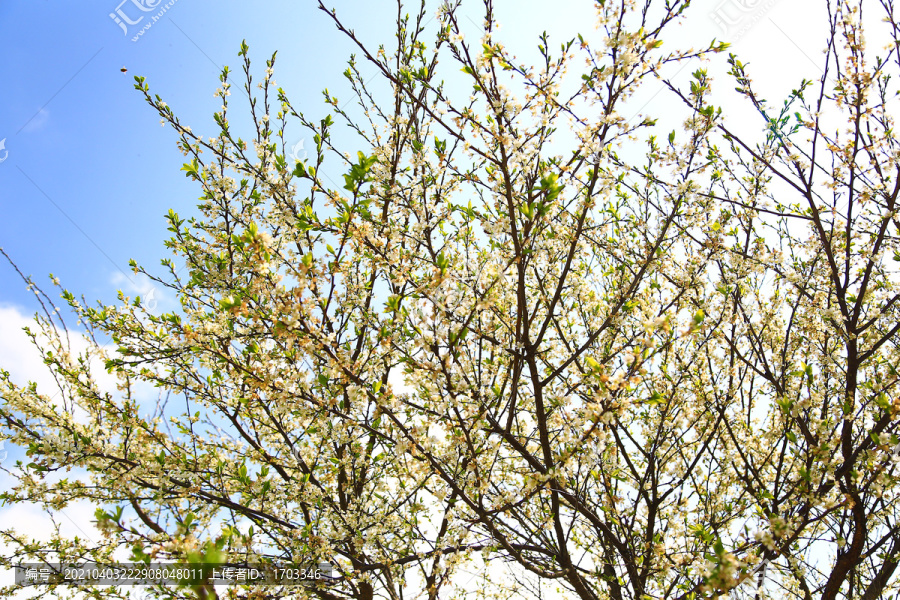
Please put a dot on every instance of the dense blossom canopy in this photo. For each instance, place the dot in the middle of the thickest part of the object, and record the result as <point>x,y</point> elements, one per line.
<point>528,337</point>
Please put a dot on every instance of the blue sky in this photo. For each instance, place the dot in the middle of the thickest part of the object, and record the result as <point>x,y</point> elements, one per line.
<point>90,173</point>
<point>87,173</point>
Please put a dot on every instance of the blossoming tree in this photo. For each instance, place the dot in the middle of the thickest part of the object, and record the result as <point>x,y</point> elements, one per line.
<point>527,334</point>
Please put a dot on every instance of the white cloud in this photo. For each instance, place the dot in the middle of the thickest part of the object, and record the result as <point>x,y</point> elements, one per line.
<point>22,360</point>
<point>17,353</point>
<point>30,519</point>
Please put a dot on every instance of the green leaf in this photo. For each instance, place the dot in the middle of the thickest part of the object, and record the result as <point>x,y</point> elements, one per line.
<point>442,262</point>
<point>192,168</point>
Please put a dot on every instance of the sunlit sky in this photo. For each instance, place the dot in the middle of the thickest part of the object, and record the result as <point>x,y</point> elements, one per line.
<point>90,173</point>
<point>87,173</point>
